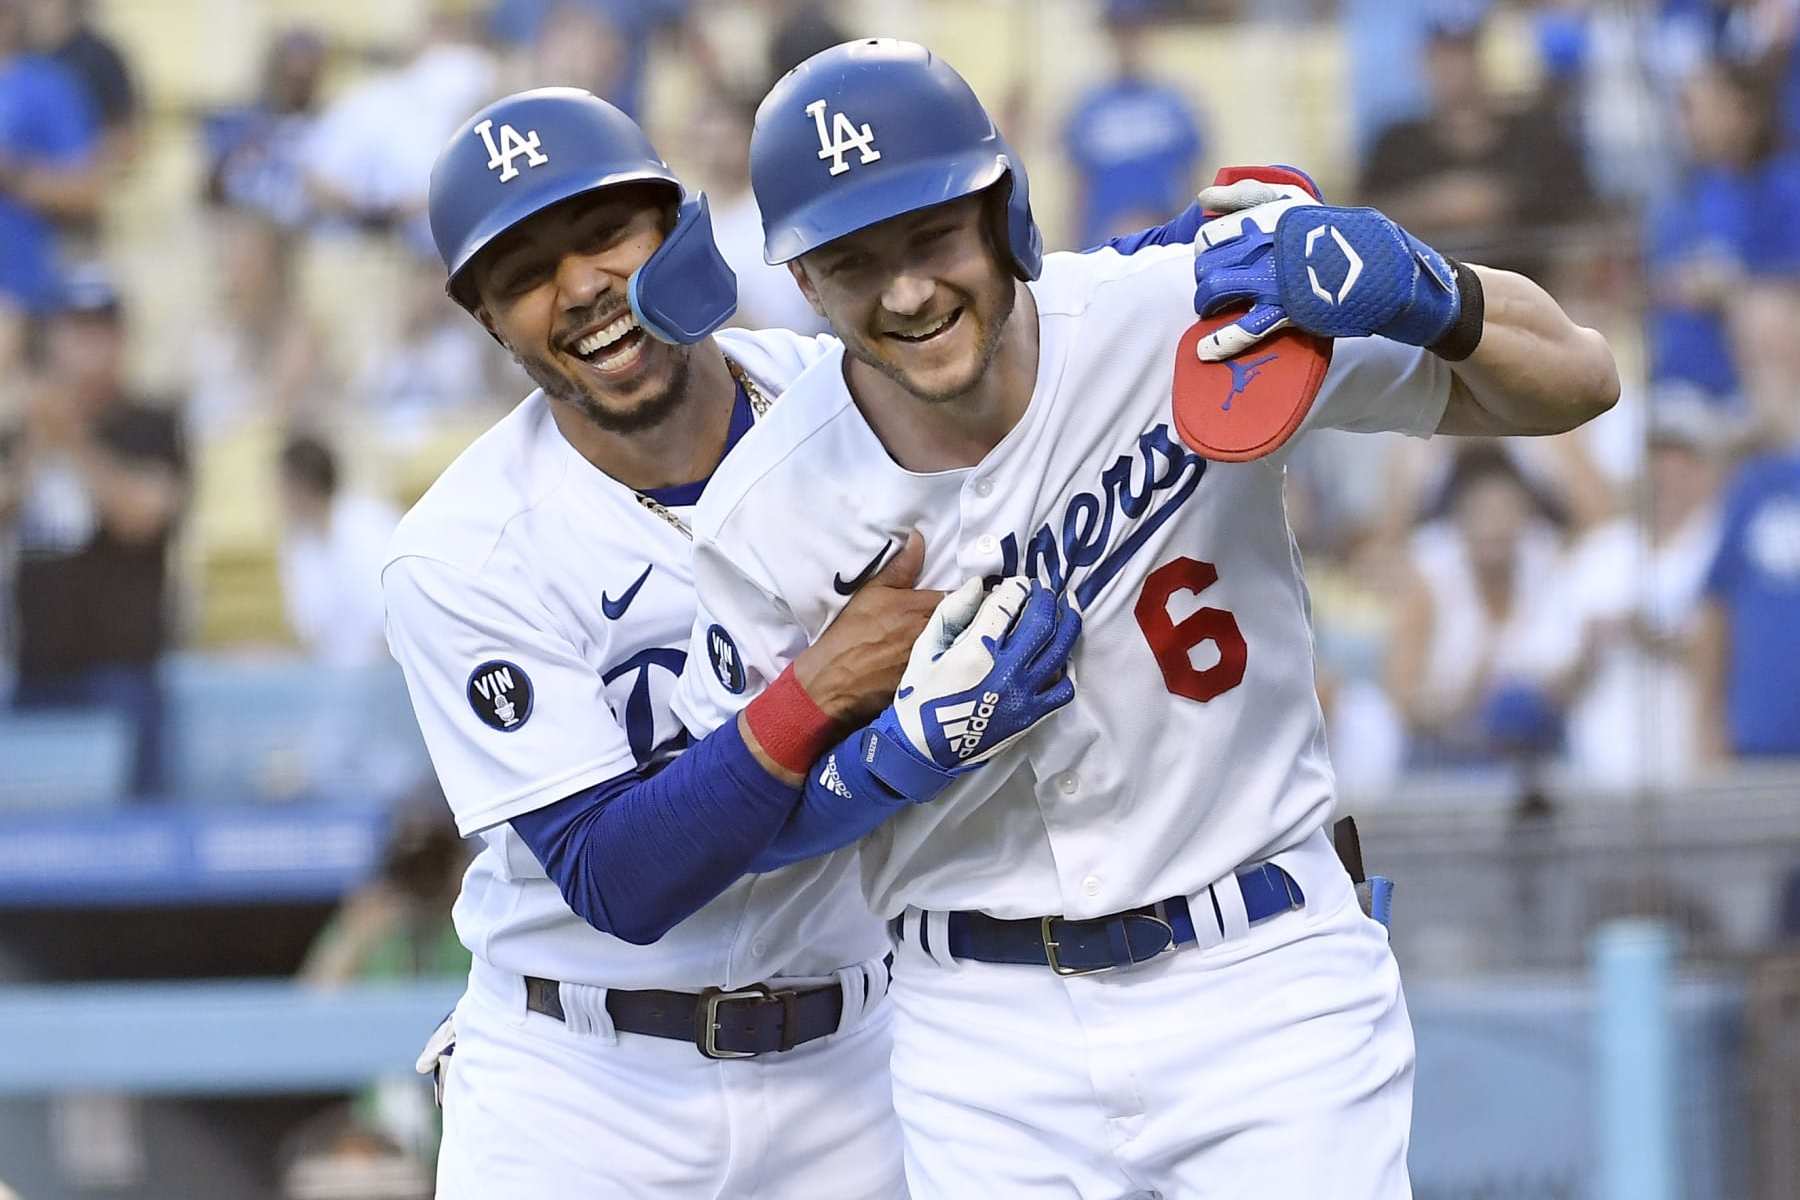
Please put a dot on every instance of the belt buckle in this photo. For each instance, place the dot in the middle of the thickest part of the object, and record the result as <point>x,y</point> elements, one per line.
<point>1056,965</point>
<point>706,1031</point>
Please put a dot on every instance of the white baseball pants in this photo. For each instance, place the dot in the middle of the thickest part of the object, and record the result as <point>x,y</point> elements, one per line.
<point>540,1108</point>
<point>1278,1064</point>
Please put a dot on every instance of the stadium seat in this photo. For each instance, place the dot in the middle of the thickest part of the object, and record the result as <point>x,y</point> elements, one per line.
<point>63,760</point>
<point>273,730</point>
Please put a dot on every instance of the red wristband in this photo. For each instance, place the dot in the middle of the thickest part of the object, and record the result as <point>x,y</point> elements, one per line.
<point>791,729</point>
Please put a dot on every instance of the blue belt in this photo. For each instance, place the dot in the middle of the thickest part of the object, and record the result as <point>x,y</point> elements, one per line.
<point>1083,946</point>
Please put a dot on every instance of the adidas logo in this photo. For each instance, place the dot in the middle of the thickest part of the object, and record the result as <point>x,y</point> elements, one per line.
<point>831,781</point>
<point>965,724</point>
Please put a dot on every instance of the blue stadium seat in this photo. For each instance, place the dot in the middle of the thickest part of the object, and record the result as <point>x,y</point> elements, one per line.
<point>245,730</point>
<point>63,759</point>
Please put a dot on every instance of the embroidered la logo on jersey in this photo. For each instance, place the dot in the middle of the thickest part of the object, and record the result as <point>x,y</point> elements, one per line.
<point>500,694</point>
<point>843,137</point>
<point>510,147</point>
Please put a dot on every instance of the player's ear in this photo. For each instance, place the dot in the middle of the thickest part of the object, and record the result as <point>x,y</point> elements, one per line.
<point>806,288</point>
<point>480,312</point>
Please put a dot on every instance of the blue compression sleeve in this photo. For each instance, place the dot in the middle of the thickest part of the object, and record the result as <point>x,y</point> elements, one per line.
<point>1183,229</point>
<point>637,854</point>
<point>849,793</point>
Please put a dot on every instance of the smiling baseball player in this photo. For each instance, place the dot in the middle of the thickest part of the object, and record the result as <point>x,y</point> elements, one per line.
<point>676,990</point>
<point>1130,963</point>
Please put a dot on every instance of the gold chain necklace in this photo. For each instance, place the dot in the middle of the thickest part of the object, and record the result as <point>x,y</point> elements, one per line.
<point>759,404</point>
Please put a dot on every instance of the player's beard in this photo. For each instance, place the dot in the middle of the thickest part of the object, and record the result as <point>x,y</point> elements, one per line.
<point>647,413</point>
<point>987,345</point>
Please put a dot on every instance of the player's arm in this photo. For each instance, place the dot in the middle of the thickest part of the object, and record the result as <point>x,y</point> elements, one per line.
<point>1004,656</point>
<point>637,852</point>
<point>745,635</point>
<point>1519,365</point>
<point>520,731</point>
<point>1533,369</point>
<point>634,856</point>
<point>1181,229</point>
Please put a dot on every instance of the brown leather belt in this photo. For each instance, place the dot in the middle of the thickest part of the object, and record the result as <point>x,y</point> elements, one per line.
<point>741,1023</point>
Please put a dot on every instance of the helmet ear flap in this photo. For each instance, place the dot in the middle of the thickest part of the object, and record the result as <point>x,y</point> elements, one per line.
<point>1020,242</point>
<point>685,290</point>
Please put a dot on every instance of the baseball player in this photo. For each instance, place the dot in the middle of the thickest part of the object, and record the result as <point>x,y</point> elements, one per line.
<point>675,990</point>
<point>1129,962</point>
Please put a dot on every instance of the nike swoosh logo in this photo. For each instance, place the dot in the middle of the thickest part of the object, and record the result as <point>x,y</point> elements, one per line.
<point>614,609</point>
<point>847,587</point>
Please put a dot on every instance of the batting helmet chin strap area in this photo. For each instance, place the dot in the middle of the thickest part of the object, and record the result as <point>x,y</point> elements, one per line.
<point>685,290</point>
<point>872,129</point>
<point>531,150</point>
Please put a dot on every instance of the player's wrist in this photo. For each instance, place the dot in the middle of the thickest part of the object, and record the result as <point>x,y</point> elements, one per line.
<point>888,753</point>
<point>830,685</point>
<point>1461,337</point>
<point>790,728</point>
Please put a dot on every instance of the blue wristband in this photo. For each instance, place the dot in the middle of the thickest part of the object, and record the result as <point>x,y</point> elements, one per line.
<point>857,785</point>
<point>883,752</point>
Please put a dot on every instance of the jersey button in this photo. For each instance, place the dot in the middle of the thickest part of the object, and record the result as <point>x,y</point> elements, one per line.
<point>987,543</point>
<point>759,948</point>
<point>984,487</point>
<point>1091,885</point>
<point>1068,783</point>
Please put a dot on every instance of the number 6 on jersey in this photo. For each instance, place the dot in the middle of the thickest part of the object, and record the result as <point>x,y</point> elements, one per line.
<point>1173,641</point>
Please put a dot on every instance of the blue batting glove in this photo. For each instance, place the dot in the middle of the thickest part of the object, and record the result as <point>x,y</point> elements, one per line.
<point>1335,272</point>
<point>958,706</point>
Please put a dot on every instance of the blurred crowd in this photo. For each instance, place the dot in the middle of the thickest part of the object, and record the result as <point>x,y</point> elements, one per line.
<point>1622,603</point>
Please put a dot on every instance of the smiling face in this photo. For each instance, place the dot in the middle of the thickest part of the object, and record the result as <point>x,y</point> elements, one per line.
<point>553,289</point>
<point>921,298</point>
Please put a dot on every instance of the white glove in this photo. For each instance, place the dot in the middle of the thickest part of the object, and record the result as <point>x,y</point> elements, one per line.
<point>968,692</point>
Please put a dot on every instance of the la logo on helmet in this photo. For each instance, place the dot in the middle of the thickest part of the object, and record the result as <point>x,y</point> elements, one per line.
<point>843,138</point>
<point>511,146</point>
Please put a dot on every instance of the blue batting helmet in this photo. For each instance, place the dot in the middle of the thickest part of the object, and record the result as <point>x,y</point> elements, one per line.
<point>871,129</point>
<point>528,151</point>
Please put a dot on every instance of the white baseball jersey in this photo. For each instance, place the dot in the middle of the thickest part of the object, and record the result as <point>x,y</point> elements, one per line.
<point>541,614</point>
<point>1195,741</point>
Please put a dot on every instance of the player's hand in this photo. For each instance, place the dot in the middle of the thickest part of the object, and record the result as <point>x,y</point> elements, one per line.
<point>965,699</point>
<point>1335,272</point>
<point>851,672</point>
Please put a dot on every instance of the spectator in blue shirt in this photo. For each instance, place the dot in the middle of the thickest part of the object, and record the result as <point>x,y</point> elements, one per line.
<point>48,143</point>
<point>64,31</point>
<point>1135,143</point>
<point>1749,645</point>
<point>256,151</point>
<point>1730,219</point>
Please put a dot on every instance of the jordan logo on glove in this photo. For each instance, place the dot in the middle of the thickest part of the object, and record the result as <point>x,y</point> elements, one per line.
<point>1228,408</point>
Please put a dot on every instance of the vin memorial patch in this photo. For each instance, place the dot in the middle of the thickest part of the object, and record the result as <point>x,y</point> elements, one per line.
<point>500,694</point>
